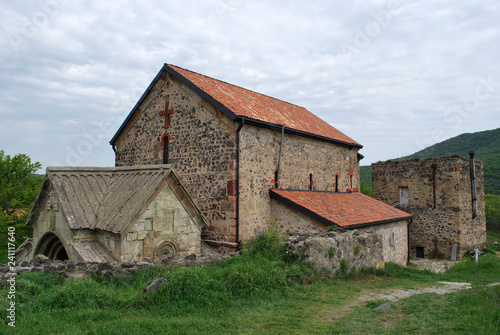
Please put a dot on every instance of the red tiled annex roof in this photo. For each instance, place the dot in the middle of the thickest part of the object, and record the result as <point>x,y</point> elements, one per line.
<point>249,104</point>
<point>346,210</point>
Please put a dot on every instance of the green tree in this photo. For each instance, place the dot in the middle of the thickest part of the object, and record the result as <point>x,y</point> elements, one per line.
<point>18,182</point>
<point>365,189</point>
<point>19,186</point>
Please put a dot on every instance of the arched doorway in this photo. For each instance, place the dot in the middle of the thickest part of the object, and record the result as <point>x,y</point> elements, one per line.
<point>51,246</point>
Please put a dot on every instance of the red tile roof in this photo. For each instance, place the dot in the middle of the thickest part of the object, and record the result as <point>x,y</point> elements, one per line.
<point>347,210</point>
<point>249,104</point>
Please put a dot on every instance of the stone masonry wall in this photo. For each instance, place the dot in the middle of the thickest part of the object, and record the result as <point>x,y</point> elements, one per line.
<point>358,249</point>
<point>439,198</point>
<point>202,148</point>
<point>394,238</point>
<point>301,157</point>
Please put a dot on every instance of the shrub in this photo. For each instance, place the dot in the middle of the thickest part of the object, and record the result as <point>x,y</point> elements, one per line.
<point>331,228</point>
<point>344,267</point>
<point>357,249</point>
<point>270,245</point>
<point>331,252</point>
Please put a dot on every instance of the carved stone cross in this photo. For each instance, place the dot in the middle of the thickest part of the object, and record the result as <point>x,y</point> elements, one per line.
<point>167,113</point>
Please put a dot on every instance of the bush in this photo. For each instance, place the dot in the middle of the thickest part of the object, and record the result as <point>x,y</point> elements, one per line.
<point>492,211</point>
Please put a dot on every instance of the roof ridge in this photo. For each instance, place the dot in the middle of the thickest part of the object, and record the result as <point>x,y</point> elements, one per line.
<point>241,87</point>
<point>111,169</point>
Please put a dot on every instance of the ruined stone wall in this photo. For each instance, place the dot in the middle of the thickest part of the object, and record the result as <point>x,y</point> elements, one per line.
<point>301,157</point>
<point>357,250</point>
<point>202,148</point>
<point>439,198</point>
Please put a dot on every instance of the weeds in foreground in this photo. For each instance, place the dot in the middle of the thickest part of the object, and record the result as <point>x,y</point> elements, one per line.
<point>258,292</point>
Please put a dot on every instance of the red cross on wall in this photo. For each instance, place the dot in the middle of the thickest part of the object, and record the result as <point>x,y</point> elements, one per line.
<point>166,113</point>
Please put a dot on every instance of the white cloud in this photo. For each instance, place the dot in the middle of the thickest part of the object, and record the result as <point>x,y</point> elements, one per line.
<point>387,77</point>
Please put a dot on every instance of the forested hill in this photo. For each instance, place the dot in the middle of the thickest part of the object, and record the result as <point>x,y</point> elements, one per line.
<point>486,145</point>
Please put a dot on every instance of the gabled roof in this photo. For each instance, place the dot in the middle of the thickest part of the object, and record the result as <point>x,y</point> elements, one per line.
<point>105,198</point>
<point>347,210</point>
<point>239,103</point>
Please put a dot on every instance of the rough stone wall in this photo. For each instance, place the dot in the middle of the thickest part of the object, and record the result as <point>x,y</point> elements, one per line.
<point>202,147</point>
<point>301,157</point>
<point>394,238</point>
<point>290,220</point>
<point>439,193</point>
<point>359,249</point>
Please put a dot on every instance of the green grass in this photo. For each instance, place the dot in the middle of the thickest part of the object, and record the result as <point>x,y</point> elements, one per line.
<point>260,292</point>
<point>493,236</point>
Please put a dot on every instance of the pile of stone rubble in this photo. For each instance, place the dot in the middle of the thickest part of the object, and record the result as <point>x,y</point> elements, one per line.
<point>124,269</point>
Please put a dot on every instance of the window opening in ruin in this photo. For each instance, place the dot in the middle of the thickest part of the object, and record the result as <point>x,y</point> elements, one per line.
<point>165,150</point>
<point>404,197</point>
<point>336,183</point>
<point>420,252</point>
<point>276,179</point>
<point>310,181</point>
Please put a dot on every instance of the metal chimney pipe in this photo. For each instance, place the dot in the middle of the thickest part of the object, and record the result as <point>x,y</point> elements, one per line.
<point>473,184</point>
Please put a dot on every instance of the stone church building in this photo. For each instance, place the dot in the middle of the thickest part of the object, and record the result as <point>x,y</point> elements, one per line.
<point>241,158</point>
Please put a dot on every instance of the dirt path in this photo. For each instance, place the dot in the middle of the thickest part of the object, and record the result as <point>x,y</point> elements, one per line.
<point>394,295</point>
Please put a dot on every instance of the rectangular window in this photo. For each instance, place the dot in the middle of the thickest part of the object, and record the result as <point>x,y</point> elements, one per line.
<point>404,197</point>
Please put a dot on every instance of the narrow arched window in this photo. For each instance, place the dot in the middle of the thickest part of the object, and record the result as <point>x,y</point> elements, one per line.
<point>165,150</point>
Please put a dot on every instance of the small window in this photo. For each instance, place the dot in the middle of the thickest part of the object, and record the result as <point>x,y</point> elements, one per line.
<point>391,240</point>
<point>311,181</point>
<point>404,197</point>
<point>336,183</point>
<point>276,179</point>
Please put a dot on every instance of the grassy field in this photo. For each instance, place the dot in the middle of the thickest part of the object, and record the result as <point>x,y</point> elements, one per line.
<point>493,236</point>
<point>262,292</point>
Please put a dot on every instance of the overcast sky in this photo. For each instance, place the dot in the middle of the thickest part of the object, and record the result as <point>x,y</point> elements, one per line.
<point>396,76</point>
